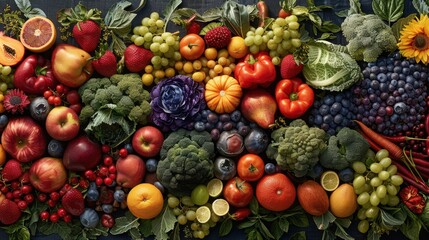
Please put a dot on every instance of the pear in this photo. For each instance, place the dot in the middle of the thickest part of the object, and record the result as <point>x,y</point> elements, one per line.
<point>259,106</point>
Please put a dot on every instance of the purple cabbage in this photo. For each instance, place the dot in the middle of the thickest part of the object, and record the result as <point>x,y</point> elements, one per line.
<point>175,102</point>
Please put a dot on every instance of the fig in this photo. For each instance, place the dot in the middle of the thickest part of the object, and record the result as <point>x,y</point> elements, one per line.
<point>230,143</point>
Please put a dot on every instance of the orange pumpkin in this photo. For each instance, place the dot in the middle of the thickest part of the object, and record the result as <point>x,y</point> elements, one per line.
<point>223,94</point>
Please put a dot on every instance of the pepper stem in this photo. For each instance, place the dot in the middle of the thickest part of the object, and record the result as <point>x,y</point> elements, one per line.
<point>293,96</point>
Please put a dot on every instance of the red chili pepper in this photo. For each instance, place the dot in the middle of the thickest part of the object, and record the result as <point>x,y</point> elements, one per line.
<point>255,70</point>
<point>34,75</point>
<point>427,124</point>
<point>241,214</point>
<point>293,97</point>
<point>263,12</point>
<point>411,197</point>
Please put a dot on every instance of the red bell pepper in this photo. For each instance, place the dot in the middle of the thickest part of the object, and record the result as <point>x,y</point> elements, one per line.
<point>255,70</point>
<point>293,97</point>
<point>411,197</point>
<point>34,75</point>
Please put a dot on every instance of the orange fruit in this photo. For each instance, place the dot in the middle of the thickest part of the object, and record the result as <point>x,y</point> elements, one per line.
<point>2,155</point>
<point>38,34</point>
<point>275,192</point>
<point>145,201</point>
<point>342,201</point>
<point>237,48</point>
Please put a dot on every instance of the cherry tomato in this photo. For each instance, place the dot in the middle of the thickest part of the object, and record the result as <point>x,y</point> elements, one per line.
<point>238,192</point>
<point>250,167</point>
<point>192,46</point>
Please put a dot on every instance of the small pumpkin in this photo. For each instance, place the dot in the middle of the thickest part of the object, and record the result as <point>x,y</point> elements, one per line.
<point>223,94</point>
<point>11,50</point>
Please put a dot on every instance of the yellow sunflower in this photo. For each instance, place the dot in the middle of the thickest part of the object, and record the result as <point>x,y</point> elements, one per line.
<point>414,39</point>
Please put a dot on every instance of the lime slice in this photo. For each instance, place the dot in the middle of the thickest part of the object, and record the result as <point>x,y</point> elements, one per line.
<point>330,180</point>
<point>220,207</point>
<point>215,187</point>
<point>203,214</point>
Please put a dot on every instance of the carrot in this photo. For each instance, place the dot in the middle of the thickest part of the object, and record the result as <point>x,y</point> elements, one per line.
<point>394,150</point>
<point>263,12</point>
<point>395,139</point>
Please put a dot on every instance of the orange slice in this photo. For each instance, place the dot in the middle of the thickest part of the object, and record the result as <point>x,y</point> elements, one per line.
<point>38,34</point>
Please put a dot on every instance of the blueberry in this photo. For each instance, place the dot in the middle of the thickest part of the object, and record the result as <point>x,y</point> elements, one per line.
<point>199,126</point>
<point>119,195</point>
<point>55,148</point>
<point>316,171</point>
<point>89,218</point>
<point>107,208</point>
<point>3,120</point>
<point>159,186</point>
<point>346,175</point>
<point>235,116</point>
<point>270,168</point>
<point>92,194</point>
<point>151,165</point>
<point>129,148</point>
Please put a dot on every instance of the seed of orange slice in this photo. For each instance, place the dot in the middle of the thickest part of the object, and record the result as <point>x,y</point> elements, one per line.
<point>38,34</point>
<point>330,180</point>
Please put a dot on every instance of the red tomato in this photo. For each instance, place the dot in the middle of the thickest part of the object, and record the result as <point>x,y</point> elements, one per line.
<point>192,46</point>
<point>238,192</point>
<point>250,167</point>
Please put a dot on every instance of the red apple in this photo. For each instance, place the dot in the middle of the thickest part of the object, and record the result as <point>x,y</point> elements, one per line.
<point>48,174</point>
<point>81,154</point>
<point>24,139</point>
<point>62,123</point>
<point>147,141</point>
<point>130,171</point>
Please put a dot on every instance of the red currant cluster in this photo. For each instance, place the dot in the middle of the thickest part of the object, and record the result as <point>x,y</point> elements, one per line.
<point>63,95</point>
<point>55,213</point>
<point>19,191</point>
<point>105,174</point>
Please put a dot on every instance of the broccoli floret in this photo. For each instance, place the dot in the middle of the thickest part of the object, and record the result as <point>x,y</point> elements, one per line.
<point>368,36</point>
<point>297,147</point>
<point>124,105</point>
<point>346,147</point>
<point>123,94</point>
<point>185,161</point>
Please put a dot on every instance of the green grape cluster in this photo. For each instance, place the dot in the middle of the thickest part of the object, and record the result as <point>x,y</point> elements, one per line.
<point>164,45</point>
<point>279,38</point>
<point>185,211</point>
<point>375,186</point>
<point>6,78</point>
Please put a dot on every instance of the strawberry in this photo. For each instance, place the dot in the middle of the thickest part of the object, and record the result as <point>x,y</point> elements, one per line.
<point>87,34</point>
<point>73,202</point>
<point>10,212</point>
<point>86,30</point>
<point>105,65</point>
<point>193,27</point>
<point>218,37</point>
<point>12,170</point>
<point>136,58</point>
<point>289,68</point>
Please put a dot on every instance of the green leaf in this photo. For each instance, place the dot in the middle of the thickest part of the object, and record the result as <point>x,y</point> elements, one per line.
<point>254,206</point>
<point>284,224</point>
<point>422,6</point>
<point>135,233</point>
<point>328,235</point>
<point>175,234</point>
<point>123,225</point>
<point>211,14</point>
<point>400,24</point>
<point>276,229</point>
<point>344,222</point>
<point>300,11</point>
<point>139,7</point>
<point>247,224</point>
<point>254,235</point>
<point>323,222</point>
<point>168,11</point>
<point>393,217</point>
<point>388,10</point>
<point>411,229</point>
<point>26,8</point>
<point>209,27</point>
<point>372,235</point>
<point>298,236</point>
<point>341,232</point>
<point>164,223</point>
<point>300,220</point>
<point>145,228</point>
<point>355,7</point>
<point>61,228</point>
<point>118,19</point>
<point>225,227</point>
<point>264,230</point>
<point>93,233</point>
<point>237,17</point>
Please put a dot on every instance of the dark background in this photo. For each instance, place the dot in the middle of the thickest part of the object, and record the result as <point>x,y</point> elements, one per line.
<point>51,6</point>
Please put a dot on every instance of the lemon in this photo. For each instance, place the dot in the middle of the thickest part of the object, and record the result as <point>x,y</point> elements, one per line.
<point>215,187</point>
<point>330,180</point>
<point>200,195</point>
<point>203,214</point>
<point>220,207</point>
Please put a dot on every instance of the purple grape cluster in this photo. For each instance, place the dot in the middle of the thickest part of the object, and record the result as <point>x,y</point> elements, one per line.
<point>215,123</point>
<point>332,111</point>
<point>391,99</point>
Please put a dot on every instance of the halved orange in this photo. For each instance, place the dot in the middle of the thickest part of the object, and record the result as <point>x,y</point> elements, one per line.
<point>38,34</point>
